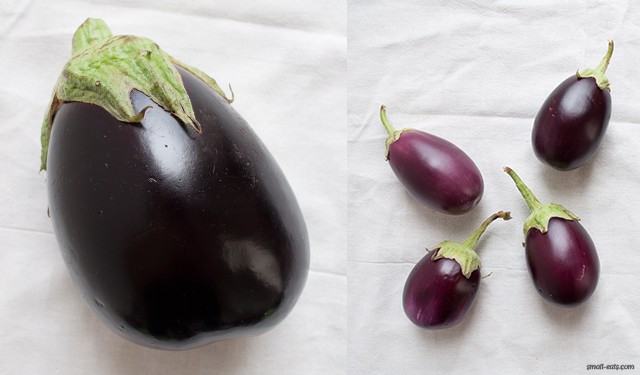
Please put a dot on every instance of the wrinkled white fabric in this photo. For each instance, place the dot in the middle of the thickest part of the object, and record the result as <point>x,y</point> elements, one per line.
<point>476,73</point>
<point>286,62</point>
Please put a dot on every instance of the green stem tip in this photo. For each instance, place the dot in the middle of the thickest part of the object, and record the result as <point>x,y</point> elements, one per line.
<point>383,117</point>
<point>599,71</point>
<point>527,194</point>
<point>92,31</point>
<point>394,134</point>
<point>604,63</point>
<point>473,239</point>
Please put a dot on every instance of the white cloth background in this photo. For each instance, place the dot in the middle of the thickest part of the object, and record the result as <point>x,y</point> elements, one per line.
<point>476,73</point>
<point>286,61</point>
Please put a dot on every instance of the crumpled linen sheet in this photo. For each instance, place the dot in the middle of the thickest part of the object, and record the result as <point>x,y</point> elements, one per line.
<point>286,62</point>
<point>476,73</point>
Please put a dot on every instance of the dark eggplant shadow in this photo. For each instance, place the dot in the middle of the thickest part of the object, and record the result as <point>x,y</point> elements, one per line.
<point>120,356</point>
<point>565,318</point>
<point>127,358</point>
<point>575,181</point>
<point>463,225</point>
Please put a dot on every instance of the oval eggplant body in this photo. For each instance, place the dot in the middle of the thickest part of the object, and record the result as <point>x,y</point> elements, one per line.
<point>436,172</point>
<point>563,262</point>
<point>436,294</point>
<point>571,123</point>
<point>176,239</point>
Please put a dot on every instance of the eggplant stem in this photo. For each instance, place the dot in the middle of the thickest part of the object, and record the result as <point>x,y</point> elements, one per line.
<point>527,194</point>
<point>604,64</point>
<point>383,117</point>
<point>472,240</point>
<point>598,73</point>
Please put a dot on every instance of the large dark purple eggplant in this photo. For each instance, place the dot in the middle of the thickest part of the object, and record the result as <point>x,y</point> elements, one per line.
<point>562,258</point>
<point>433,170</point>
<point>177,232</point>
<point>573,120</point>
<point>442,286</point>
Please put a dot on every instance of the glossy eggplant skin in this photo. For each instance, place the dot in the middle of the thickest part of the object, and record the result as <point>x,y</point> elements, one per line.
<point>175,239</point>
<point>437,295</point>
<point>563,262</point>
<point>436,172</point>
<point>571,123</point>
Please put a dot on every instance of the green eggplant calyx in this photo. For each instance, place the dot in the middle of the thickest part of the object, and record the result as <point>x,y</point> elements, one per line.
<point>598,73</point>
<point>105,69</point>
<point>468,259</point>
<point>540,217</point>
<point>464,252</point>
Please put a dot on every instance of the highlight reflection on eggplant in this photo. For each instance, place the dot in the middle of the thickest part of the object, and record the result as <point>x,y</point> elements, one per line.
<point>571,123</point>
<point>179,230</point>
<point>562,258</point>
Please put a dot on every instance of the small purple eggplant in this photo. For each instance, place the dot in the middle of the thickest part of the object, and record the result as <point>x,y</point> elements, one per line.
<point>561,256</point>
<point>442,286</point>
<point>573,120</point>
<point>433,170</point>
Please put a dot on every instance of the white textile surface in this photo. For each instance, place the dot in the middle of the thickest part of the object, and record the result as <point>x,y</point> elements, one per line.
<point>286,62</point>
<point>476,73</point>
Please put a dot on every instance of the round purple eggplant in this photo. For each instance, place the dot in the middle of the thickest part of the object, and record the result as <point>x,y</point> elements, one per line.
<point>561,257</point>
<point>442,286</point>
<point>433,170</point>
<point>176,235</point>
<point>573,120</point>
